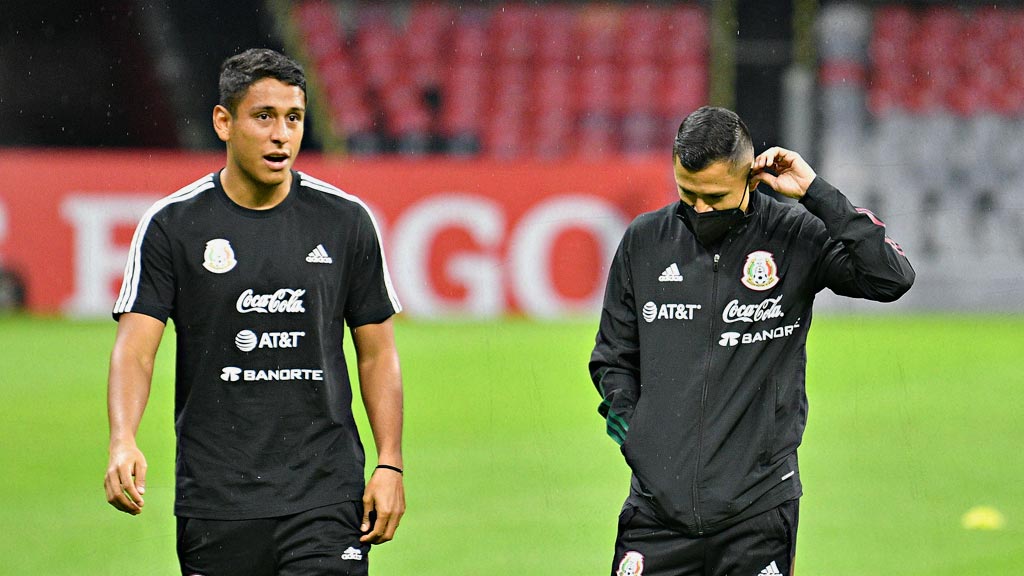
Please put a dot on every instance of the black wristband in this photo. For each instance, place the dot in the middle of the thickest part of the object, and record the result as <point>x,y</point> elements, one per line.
<point>395,468</point>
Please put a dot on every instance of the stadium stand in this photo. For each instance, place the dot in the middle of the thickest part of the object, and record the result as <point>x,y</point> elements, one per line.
<point>506,81</point>
<point>923,119</point>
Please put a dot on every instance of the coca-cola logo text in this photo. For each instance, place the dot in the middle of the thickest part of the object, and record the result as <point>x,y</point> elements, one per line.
<point>766,310</point>
<point>285,300</point>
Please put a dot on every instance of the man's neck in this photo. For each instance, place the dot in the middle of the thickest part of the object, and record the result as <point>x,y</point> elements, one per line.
<point>252,195</point>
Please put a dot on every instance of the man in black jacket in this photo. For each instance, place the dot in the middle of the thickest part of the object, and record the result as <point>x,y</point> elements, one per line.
<point>700,355</point>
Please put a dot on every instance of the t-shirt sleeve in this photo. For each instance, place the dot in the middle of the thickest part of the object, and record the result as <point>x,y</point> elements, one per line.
<point>148,284</point>
<point>371,298</point>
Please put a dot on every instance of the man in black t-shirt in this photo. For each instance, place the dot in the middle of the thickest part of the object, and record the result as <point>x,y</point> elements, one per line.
<point>261,268</point>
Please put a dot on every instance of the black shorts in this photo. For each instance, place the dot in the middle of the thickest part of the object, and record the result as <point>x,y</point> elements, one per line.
<point>316,542</point>
<point>764,545</point>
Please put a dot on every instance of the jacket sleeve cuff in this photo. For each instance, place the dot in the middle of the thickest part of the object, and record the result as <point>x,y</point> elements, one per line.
<point>617,407</point>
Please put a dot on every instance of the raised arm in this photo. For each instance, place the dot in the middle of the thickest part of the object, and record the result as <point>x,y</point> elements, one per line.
<point>859,259</point>
<point>128,385</point>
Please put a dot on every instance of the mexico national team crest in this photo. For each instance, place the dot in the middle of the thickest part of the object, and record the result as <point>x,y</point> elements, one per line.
<point>632,564</point>
<point>759,271</point>
<point>219,257</point>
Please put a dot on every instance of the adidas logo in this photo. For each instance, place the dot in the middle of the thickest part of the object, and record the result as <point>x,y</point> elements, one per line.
<point>671,274</point>
<point>770,570</point>
<point>352,554</point>
<point>319,256</point>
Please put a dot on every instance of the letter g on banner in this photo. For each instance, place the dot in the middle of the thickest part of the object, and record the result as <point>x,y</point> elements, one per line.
<point>479,271</point>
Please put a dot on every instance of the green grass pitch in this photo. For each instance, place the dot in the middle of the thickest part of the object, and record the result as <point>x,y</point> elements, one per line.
<point>913,420</point>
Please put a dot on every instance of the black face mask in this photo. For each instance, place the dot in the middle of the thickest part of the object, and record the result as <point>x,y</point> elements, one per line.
<point>711,227</point>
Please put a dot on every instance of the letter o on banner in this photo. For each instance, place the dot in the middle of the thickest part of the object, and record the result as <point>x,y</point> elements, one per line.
<point>532,245</point>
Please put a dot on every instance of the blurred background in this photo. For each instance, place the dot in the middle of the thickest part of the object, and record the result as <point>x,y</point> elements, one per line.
<point>504,147</point>
<point>914,109</point>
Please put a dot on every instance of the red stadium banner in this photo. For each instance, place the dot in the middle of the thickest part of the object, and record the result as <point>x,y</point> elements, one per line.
<point>472,239</point>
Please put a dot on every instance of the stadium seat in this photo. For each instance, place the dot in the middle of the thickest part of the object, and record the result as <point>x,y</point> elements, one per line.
<point>469,37</point>
<point>424,42</point>
<point>641,35</point>
<point>505,137</point>
<point>686,34</point>
<point>511,34</point>
<point>684,88</point>
<point>894,22</point>
<point>555,38</point>
<point>595,137</point>
<point>597,30</point>
<point>596,89</point>
<point>638,85</point>
<point>552,133</point>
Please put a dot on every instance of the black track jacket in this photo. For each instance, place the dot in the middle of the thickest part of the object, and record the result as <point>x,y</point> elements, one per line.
<point>700,355</point>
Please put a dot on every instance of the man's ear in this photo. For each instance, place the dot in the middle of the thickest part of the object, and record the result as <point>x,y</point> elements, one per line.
<point>222,122</point>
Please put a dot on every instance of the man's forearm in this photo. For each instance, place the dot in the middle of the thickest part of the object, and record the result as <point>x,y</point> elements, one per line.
<point>127,396</point>
<point>128,386</point>
<point>131,374</point>
<point>380,382</point>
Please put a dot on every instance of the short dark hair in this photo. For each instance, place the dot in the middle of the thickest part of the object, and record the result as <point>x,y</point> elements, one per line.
<point>241,71</point>
<point>710,134</point>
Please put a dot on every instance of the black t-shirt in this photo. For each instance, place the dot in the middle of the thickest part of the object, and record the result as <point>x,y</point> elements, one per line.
<point>260,299</point>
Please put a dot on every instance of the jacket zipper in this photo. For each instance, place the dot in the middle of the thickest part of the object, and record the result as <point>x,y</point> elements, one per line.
<point>704,399</point>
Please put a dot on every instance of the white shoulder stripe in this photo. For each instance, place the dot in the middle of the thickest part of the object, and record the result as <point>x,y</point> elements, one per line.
<point>133,267</point>
<point>315,184</point>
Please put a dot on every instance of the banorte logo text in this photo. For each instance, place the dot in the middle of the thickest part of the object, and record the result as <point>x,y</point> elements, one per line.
<point>285,300</point>
<point>235,374</point>
<point>737,338</point>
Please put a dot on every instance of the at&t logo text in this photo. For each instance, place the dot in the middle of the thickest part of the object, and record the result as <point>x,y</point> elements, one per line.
<point>247,340</point>
<point>652,311</point>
